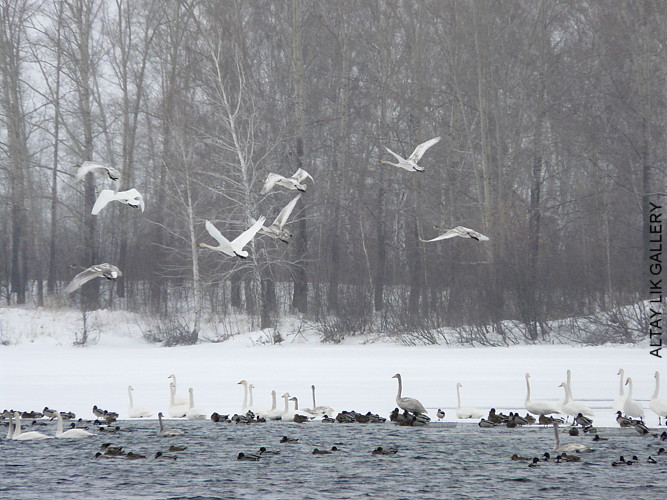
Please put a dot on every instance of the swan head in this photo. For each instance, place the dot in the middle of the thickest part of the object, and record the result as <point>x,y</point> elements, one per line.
<point>286,395</point>
<point>242,254</point>
<point>172,376</point>
<point>398,375</point>
<point>459,384</point>
<point>628,381</point>
<point>285,236</point>
<point>620,371</point>
<point>242,382</point>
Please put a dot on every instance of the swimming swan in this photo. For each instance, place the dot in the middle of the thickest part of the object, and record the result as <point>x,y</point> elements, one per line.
<point>578,447</point>
<point>234,247</point>
<point>26,436</point>
<point>131,197</point>
<point>620,399</point>
<point>167,432</point>
<point>296,182</point>
<point>108,271</point>
<point>193,412</point>
<point>657,405</point>
<point>465,412</point>
<point>408,404</point>
<point>630,407</point>
<point>411,163</point>
<point>71,433</point>
<point>538,407</point>
<point>461,231</point>
<point>136,411</point>
<point>276,230</point>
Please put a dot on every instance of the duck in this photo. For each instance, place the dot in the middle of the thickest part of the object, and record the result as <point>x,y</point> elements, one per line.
<point>173,448</point>
<point>570,458</point>
<point>295,182</point>
<point>384,451</point>
<point>662,451</point>
<point>286,439</point>
<point>486,424</point>
<point>640,427</point>
<point>623,421</point>
<point>317,451</point>
<point>651,460</point>
<point>104,270</point>
<point>497,418</point>
<point>99,454</point>
<point>130,197</point>
<point>234,247</point>
<point>249,457</point>
<point>108,449</point>
<point>461,231</point>
<point>264,451</point>
<point>535,462</point>
<point>516,457</point>
<point>134,456</point>
<point>159,454</point>
<point>598,438</point>
<point>582,420</point>
<point>277,229</point>
<point>547,420</point>
<point>622,461</point>
<point>410,164</point>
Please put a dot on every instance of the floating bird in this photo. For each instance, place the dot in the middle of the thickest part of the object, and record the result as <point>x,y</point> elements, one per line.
<point>97,168</point>
<point>286,439</point>
<point>651,460</point>
<point>382,451</point>
<point>294,182</point>
<point>106,270</point>
<point>598,438</point>
<point>516,457</point>
<point>276,230</point>
<point>24,436</point>
<point>70,433</point>
<point>408,404</point>
<point>159,454</point>
<point>134,456</point>
<point>174,448</point>
<point>411,163</point>
<point>535,462</point>
<point>131,197</point>
<point>250,457</point>
<point>317,451</point>
<point>264,451</point>
<point>235,247</point>
<point>167,432</point>
<point>461,231</point>
<point>578,447</point>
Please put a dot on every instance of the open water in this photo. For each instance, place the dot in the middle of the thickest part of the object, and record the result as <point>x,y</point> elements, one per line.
<point>443,461</point>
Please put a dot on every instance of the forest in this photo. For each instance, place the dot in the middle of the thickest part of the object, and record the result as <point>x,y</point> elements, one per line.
<point>552,118</point>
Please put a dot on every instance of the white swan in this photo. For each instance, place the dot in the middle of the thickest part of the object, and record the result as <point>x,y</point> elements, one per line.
<point>131,197</point>
<point>568,447</point>
<point>465,412</point>
<point>538,407</point>
<point>179,399</point>
<point>294,182</point>
<point>167,432</point>
<point>273,413</point>
<point>657,405</point>
<point>234,247</point>
<point>461,231</point>
<point>106,270</point>
<point>176,410</point>
<point>411,163</point>
<point>287,415</point>
<point>10,426</point>
<point>408,404</point>
<point>307,412</point>
<point>136,411</point>
<point>193,412</point>
<point>630,407</point>
<point>320,410</point>
<point>97,168</point>
<point>276,230</point>
<point>70,433</point>
<point>26,436</point>
<point>619,401</point>
<point>571,407</point>
<point>244,406</point>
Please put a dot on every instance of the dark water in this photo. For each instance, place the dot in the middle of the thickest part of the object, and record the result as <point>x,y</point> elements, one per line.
<point>439,461</point>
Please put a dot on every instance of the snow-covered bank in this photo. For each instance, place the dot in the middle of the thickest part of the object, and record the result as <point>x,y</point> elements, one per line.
<point>48,371</point>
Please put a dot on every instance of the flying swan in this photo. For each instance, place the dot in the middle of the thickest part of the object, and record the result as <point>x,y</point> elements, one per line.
<point>538,407</point>
<point>411,163</point>
<point>97,168</point>
<point>408,404</point>
<point>294,182</point>
<point>234,247</point>
<point>276,230</point>
<point>131,197</point>
<point>466,412</point>
<point>461,231</point>
<point>106,270</point>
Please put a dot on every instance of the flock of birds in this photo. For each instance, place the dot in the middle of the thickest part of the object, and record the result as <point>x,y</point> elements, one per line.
<point>235,248</point>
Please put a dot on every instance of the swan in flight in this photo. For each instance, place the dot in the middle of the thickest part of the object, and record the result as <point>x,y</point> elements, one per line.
<point>136,411</point>
<point>235,247</point>
<point>294,182</point>
<point>570,406</point>
<point>131,197</point>
<point>538,407</point>
<point>568,447</point>
<point>657,405</point>
<point>276,230</point>
<point>70,433</point>
<point>26,436</point>
<point>619,401</point>
<point>194,413</point>
<point>108,271</point>
<point>408,404</point>
<point>167,432</point>
<point>97,168</point>
<point>464,412</point>
<point>461,231</point>
<point>630,407</point>
<point>411,163</point>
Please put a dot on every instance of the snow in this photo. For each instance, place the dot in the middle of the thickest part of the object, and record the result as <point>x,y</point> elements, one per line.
<point>40,367</point>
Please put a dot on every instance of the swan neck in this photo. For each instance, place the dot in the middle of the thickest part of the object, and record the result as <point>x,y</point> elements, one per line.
<point>557,437</point>
<point>172,391</point>
<point>657,386</point>
<point>59,428</point>
<point>458,396</point>
<point>629,388</point>
<point>400,387</point>
<point>10,427</point>
<point>286,404</point>
<point>159,420</point>
<point>250,396</point>
<point>620,382</point>
<point>192,399</point>
<point>129,393</point>
<point>314,404</point>
<point>527,389</point>
<point>245,398</point>
<point>17,427</point>
<point>273,400</point>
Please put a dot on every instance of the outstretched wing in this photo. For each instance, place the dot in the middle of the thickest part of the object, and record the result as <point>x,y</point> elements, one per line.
<point>244,238</point>
<point>421,149</point>
<point>106,196</point>
<point>83,277</point>
<point>285,213</point>
<point>270,181</point>
<point>301,175</point>
<point>471,233</point>
<point>451,233</point>
<point>399,158</point>
<point>213,231</point>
